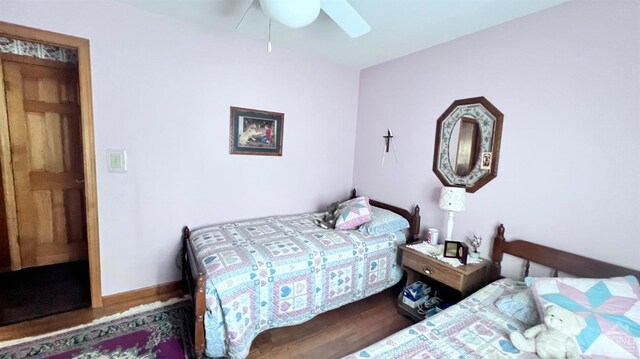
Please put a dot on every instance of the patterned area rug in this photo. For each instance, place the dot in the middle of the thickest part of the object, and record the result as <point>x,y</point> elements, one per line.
<point>155,331</point>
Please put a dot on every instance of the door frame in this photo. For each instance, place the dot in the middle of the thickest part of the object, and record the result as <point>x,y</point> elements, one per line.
<point>88,144</point>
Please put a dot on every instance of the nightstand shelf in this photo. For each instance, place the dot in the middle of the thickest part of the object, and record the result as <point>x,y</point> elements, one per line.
<point>464,279</point>
<point>408,311</point>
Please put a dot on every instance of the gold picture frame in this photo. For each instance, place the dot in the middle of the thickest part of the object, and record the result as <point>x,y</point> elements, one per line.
<point>255,132</point>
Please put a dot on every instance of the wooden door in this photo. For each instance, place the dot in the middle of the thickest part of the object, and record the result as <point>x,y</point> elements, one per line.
<point>5,249</point>
<point>46,152</point>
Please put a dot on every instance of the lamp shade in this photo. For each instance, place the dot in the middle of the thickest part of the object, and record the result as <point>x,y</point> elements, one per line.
<point>453,199</point>
<point>291,13</point>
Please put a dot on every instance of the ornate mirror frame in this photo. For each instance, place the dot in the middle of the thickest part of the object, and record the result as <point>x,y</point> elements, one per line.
<point>489,120</point>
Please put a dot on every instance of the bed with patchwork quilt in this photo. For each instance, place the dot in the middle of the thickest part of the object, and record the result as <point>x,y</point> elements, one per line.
<point>250,276</point>
<point>606,295</point>
<point>473,328</point>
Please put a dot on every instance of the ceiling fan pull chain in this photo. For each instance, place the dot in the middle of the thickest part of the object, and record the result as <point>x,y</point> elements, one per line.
<point>269,44</point>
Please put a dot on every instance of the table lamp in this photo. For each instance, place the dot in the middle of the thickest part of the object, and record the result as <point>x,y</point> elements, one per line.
<point>452,199</point>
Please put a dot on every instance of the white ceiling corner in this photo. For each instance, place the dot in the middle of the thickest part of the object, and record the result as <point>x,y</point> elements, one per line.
<point>399,27</point>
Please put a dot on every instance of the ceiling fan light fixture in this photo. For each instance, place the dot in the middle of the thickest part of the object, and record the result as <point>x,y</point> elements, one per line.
<point>291,13</point>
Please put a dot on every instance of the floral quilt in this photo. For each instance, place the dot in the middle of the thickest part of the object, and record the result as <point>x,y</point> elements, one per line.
<point>280,271</point>
<point>473,328</point>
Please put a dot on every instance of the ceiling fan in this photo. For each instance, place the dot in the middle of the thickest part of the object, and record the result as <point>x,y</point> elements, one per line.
<point>299,13</point>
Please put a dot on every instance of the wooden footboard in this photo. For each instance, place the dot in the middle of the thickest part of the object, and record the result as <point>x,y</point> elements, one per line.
<point>194,280</point>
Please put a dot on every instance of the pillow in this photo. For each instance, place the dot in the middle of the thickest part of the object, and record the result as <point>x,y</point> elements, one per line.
<point>353,213</point>
<point>382,222</point>
<point>520,306</point>
<point>611,308</point>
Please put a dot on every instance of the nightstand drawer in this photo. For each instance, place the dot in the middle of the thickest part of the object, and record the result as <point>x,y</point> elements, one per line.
<point>439,272</point>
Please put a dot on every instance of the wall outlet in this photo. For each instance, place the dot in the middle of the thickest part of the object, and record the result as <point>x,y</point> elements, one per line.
<point>117,161</point>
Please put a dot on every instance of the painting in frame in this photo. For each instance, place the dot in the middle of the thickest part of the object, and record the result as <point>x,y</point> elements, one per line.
<point>255,132</point>
<point>486,161</point>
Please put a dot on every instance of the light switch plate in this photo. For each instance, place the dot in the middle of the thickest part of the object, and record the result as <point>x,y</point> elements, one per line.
<point>117,161</point>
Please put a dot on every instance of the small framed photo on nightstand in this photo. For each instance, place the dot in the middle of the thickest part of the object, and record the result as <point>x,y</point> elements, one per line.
<point>459,250</point>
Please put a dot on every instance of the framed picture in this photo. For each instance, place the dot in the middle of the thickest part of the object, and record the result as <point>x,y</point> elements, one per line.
<point>486,161</point>
<point>453,249</point>
<point>255,132</point>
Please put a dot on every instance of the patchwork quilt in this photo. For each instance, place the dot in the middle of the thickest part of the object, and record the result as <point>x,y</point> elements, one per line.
<point>473,328</point>
<point>280,271</point>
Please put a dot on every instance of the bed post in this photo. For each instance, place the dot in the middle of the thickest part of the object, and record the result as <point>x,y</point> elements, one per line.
<point>193,283</point>
<point>199,299</point>
<point>353,193</point>
<point>496,254</point>
<point>185,265</point>
<point>415,223</point>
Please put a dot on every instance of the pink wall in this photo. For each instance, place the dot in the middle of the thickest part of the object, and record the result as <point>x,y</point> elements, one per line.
<point>568,81</point>
<point>162,91</point>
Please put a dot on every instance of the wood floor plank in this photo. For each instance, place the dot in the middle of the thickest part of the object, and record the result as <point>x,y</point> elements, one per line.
<point>336,333</point>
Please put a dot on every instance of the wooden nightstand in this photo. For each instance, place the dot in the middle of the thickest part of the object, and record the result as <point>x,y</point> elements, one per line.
<point>465,279</point>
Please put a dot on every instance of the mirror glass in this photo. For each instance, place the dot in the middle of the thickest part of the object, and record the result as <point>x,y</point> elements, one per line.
<point>468,144</point>
<point>464,146</point>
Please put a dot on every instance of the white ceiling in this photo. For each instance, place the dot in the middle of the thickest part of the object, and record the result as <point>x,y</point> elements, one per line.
<point>399,27</point>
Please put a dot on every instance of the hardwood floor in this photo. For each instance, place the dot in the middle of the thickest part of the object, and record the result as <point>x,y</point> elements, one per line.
<point>336,333</point>
<point>329,335</point>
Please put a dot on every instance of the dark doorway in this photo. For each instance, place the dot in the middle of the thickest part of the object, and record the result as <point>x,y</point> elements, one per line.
<point>40,291</point>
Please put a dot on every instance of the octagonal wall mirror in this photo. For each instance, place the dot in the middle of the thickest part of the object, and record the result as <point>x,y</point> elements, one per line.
<point>467,146</point>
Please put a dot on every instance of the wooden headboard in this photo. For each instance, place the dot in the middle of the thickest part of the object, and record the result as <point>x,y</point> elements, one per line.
<point>558,260</point>
<point>413,219</point>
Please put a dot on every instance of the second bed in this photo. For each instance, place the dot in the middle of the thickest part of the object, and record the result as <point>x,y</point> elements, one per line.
<point>480,325</point>
<point>250,276</point>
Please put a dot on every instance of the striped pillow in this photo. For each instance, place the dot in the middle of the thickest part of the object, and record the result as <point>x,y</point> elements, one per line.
<point>382,222</point>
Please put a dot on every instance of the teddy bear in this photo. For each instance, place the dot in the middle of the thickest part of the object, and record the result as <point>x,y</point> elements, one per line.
<point>555,337</point>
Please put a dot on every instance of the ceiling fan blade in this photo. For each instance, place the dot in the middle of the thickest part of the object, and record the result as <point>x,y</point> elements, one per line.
<point>245,14</point>
<point>346,17</point>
